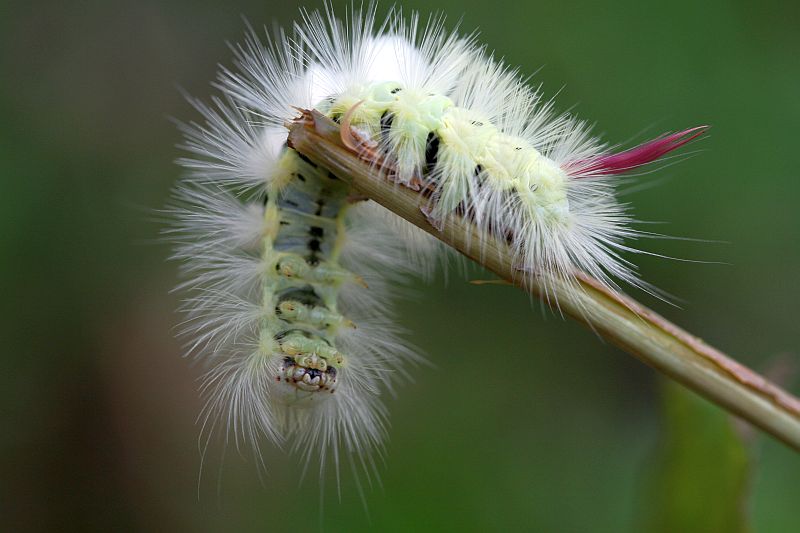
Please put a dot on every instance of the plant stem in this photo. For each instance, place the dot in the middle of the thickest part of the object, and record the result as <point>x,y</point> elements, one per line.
<point>618,318</point>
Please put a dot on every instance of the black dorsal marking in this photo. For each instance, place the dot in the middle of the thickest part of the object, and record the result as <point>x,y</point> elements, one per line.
<point>316,231</point>
<point>304,295</point>
<point>479,177</point>
<point>297,331</point>
<point>386,125</point>
<point>307,160</point>
<point>431,152</point>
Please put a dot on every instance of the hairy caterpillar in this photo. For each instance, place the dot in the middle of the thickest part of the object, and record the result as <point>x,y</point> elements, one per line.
<point>291,277</point>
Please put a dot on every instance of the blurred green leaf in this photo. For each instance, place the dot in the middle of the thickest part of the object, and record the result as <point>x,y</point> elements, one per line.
<point>702,470</point>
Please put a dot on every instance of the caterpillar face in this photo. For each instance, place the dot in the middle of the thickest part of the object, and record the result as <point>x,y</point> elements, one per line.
<point>307,373</point>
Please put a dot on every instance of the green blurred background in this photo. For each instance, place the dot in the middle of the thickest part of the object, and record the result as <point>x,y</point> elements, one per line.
<point>529,422</point>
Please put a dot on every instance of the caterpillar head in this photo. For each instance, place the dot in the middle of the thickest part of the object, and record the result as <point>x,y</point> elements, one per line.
<point>308,373</point>
<point>308,365</point>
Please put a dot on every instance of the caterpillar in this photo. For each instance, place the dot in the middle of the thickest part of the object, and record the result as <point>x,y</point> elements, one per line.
<point>291,277</point>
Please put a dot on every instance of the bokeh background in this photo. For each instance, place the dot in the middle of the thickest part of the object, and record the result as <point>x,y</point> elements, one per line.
<point>528,422</point>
